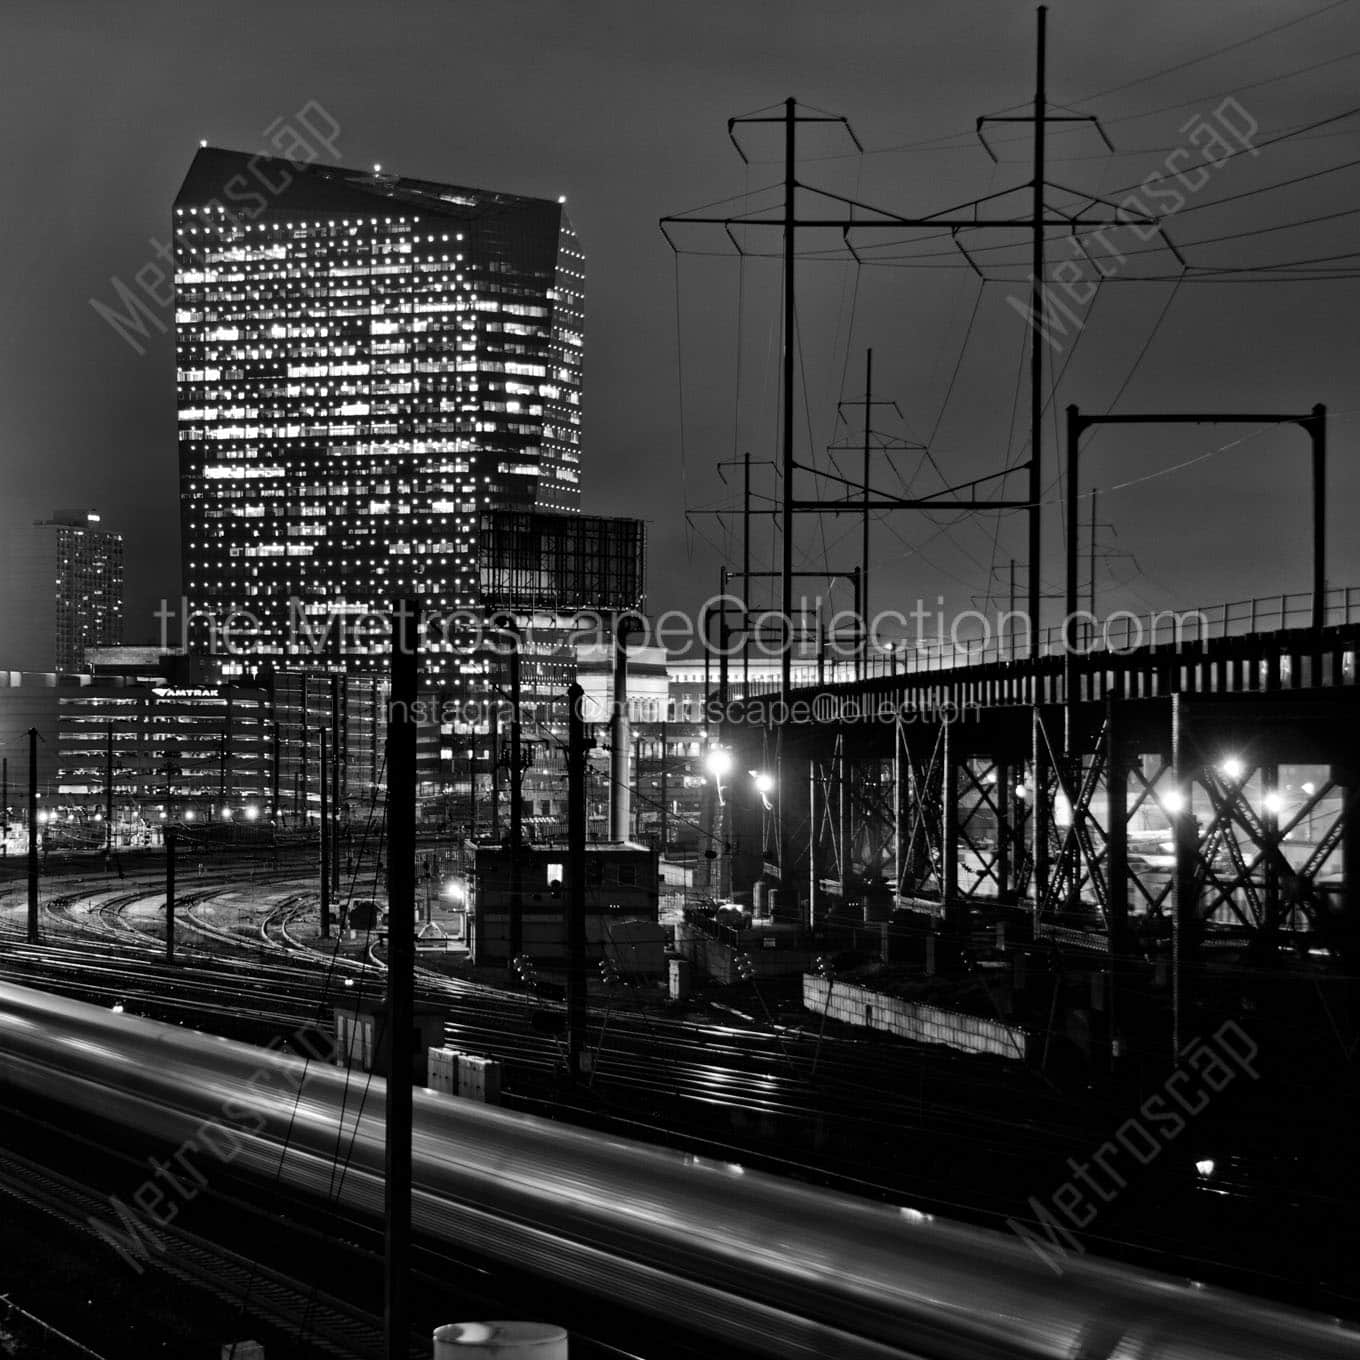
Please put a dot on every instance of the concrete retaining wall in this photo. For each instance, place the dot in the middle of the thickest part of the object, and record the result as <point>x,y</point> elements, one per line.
<point>854,1005</point>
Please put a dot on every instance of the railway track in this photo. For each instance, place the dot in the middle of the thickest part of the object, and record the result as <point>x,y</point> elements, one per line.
<point>889,1119</point>
<point>325,1324</point>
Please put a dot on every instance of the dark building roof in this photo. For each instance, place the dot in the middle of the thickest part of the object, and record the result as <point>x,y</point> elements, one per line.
<point>252,184</point>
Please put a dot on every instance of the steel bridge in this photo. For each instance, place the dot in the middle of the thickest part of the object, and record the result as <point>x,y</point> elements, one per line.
<point>1147,804</point>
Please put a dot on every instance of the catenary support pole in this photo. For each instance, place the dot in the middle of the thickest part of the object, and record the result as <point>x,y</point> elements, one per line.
<point>786,537</point>
<point>33,835</point>
<point>746,574</point>
<point>620,782</point>
<point>576,881</point>
<point>401,884</point>
<point>516,942</point>
<point>1036,348</point>
<point>324,839</point>
<point>108,802</point>
<point>862,608</point>
<point>1318,431</point>
<point>170,847</point>
<point>337,746</point>
<point>493,738</point>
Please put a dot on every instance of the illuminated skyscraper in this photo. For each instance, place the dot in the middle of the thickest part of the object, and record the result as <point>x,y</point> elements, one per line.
<point>61,591</point>
<point>366,364</point>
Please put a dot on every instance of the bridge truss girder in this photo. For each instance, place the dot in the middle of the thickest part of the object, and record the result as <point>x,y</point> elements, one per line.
<point>1113,823</point>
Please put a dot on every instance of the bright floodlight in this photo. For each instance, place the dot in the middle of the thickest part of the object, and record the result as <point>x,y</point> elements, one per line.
<point>454,892</point>
<point>189,815</point>
<point>1205,1167</point>
<point>1173,801</point>
<point>1273,802</point>
<point>1309,788</point>
<point>252,812</point>
<point>764,783</point>
<point>1232,767</point>
<point>226,814</point>
<point>719,761</point>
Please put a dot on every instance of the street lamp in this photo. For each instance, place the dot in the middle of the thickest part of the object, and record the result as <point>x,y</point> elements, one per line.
<point>1232,767</point>
<point>764,786</point>
<point>718,762</point>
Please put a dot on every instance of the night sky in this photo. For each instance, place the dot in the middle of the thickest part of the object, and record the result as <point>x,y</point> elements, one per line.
<point>622,107</point>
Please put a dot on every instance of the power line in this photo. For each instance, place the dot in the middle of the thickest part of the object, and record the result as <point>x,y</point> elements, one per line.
<point>1209,56</point>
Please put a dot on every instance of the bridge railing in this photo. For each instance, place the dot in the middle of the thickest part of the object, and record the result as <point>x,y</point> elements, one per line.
<point>1121,631</point>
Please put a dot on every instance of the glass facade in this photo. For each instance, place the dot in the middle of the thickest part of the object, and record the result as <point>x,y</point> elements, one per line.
<point>365,365</point>
<point>61,591</point>
<point>89,586</point>
<point>189,751</point>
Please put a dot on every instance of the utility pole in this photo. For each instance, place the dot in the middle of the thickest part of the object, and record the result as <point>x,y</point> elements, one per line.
<point>336,748</point>
<point>620,783</point>
<point>1091,562</point>
<point>516,946</point>
<point>33,835</point>
<point>746,463</point>
<point>957,221</point>
<point>745,600</point>
<point>401,884</point>
<point>108,803</point>
<point>171,770</point>
<point>1010,615</point>
<point>866,491</point>
<point>786,538</point>
<point>864,532</point>
<point>1036,343</point>
<point>493,738</point>
<point>224,753</point>
<point>169,894</point>
<point>325,838</point>
<point>665,803</point>
<point>472,788</point>
<point>577,747</point>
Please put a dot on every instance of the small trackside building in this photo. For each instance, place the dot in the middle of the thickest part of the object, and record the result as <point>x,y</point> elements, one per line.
<point>622,895</point>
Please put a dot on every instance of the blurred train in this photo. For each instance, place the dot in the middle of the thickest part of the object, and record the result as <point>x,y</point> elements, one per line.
<point>760,1264</point>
